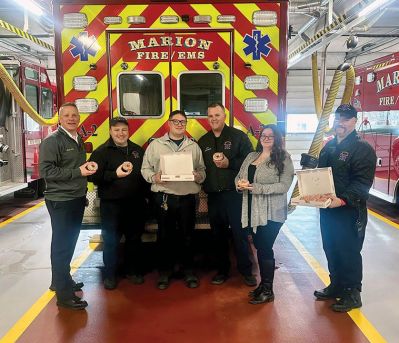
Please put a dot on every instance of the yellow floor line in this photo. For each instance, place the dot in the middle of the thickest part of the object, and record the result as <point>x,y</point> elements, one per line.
<point>29,316</point>
<point>19,215</point>
<point>357,316</point>
<point>385,220</point>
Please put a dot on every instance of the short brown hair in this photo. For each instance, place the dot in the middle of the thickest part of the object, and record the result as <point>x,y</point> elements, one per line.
<point>216,104</point>
<point>67,104</point>
<point>175,112</point>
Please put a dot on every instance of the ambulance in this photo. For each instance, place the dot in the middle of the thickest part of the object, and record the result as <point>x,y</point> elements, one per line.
<point>376,97</point>
<point>143,59</point>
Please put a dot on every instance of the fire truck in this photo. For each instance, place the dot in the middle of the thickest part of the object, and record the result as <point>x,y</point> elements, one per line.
<point>20,135</point>
<point>376,96</point>
<point>143,59</point>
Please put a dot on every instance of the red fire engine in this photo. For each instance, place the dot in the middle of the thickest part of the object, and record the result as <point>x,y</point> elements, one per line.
<point>20,135</point>
<point>376,97</point>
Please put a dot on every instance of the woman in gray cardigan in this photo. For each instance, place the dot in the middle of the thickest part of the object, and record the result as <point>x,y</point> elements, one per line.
<point>264,178</point>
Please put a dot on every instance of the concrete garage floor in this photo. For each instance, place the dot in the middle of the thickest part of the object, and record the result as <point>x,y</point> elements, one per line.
<point>28,312</point>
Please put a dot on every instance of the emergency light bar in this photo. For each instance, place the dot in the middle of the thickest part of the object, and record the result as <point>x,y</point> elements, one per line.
<point>84,83</point>
<point>202,19</point>
<point>112,20</point>
<point>256,82</point>
<point>136,19</point>
<point>87,105</point>
<point>75,20</point>
<point>255,105</point>
<point>264,18</point>
<point>226,18</point>
<point>169,19</point>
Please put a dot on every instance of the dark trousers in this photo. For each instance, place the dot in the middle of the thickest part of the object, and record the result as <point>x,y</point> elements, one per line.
<point>122,217</point>
<point>224,209</point>
<point>264,239</point>
<point>342,244</point>
<point>175,231</point>
<point>66,220</point>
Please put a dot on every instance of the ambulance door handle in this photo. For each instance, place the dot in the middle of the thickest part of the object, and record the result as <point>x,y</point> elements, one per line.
<point>379,162</point>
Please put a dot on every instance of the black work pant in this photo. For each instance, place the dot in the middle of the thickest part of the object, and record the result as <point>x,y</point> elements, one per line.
<point>224,209</point>
<point>122,217</point>
<point>66,220</point>
<point>264,239</point>
<point>175,231</point>
<point>342,244</point>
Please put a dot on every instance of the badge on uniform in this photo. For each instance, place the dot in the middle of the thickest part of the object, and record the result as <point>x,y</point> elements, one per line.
<point>343,155</point>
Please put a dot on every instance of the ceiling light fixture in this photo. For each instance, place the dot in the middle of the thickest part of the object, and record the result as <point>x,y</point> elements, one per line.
<point>373,6</point>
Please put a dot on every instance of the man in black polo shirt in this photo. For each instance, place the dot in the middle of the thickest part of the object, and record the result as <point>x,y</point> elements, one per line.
<point>224,149</point>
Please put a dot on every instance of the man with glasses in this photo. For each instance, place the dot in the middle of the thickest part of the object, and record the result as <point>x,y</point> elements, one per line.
<point>224,149</point>
<point>343,223</point>
<point>174,201</point>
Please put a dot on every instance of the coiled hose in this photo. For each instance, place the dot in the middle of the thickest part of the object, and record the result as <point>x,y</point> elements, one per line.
<point>317,141</point>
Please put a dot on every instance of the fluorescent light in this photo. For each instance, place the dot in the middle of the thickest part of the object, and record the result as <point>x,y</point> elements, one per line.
<point>370,8</point>
<point>31,6</point>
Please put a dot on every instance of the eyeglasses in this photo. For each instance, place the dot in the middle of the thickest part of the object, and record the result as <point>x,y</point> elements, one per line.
<point>178,122</point>
<point>266,138</point>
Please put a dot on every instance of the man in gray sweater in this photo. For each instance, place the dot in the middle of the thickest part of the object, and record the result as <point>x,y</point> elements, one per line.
<point>64,168</point>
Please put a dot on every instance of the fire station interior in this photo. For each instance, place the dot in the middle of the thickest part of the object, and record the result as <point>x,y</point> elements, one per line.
<point>210,313</point>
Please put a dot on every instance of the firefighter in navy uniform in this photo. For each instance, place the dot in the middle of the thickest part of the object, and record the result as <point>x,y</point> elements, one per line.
<point>224,149</point>
<point>343,223</point>
<point>123,193</point>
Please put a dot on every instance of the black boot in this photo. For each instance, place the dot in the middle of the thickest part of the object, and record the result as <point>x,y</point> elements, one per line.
<point>265,295</point>
<point>264,292</point>
<point>332,291</point>
<point>350,299</point>
<point>255,292</point>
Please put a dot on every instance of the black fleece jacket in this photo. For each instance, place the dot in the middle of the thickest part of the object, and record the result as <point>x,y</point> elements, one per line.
<point>109,157</point>
<point>353,163</point>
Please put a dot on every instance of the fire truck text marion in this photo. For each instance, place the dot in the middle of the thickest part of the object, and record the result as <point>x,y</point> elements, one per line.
<point>141,60</point>
<point>376,96</point>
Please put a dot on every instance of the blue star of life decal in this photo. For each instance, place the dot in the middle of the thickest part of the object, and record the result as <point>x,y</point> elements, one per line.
<point>257,45</point>
<point>84,46</point>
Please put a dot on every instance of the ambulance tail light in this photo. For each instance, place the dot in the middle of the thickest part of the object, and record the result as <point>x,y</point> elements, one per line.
<point>255,105</point>
<point>198,19</point>
<point>256,82</point>
<point>112,20</point>
<point>226,18</point>
<point>371,77</point>
<point>169,19</point>
<point>75,20</point>
<point>84,83</point>
<point>264,18</point>
<point>136,19</point>
<point>87,105</point>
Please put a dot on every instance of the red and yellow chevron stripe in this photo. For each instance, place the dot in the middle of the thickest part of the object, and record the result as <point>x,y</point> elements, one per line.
<point>226,49</point>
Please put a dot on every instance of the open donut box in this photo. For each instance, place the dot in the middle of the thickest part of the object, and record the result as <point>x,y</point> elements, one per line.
<point>314,182</point>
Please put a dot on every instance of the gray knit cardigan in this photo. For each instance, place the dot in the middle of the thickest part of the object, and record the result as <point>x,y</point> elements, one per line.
<point>269,194</point>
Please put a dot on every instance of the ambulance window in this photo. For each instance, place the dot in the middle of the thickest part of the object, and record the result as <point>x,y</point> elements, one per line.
<point>31,94</point>
<point>31,74</point>
<point>46,108</point>
<point>140,94</point>
<point>198,90</point>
